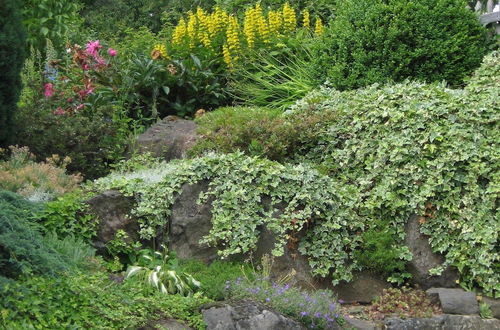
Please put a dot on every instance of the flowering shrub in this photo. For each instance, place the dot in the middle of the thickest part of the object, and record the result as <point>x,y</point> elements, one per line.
<point>317,310</point>
<point>81,80</point>
<point>222,35</point>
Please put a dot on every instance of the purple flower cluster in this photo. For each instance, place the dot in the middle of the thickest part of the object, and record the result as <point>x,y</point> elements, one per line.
<point>317,310</point>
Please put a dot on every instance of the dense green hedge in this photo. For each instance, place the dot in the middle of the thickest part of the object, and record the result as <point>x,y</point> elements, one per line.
<point>374,41</point>
<point>12,53</point>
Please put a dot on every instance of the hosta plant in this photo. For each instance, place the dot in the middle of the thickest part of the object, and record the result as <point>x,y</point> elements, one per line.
<point>157,269</point>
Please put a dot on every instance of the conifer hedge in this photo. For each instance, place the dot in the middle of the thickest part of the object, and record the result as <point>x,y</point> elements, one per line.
<point>12,54</point>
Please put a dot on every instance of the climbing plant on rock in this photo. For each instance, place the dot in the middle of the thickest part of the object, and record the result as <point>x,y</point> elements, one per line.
<point>238,184</point>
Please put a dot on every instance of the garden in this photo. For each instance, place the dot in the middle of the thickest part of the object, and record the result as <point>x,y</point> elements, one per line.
<point>324,144</point>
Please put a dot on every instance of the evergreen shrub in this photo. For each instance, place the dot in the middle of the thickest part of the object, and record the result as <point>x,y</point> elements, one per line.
<point>24,250</point>
<point>12,54</point>
<point>373,41</point>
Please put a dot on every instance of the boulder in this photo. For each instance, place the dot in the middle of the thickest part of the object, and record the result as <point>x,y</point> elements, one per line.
<point>494,305</point>
<point>169,139</point>
<point>455,301</point>
<point>424,259</point>
<point>360,324</point>
<point>190,222</point>
<point>246,315</point>
<point>112,209</point>
<point>364,288</point>
<point>443,322</point>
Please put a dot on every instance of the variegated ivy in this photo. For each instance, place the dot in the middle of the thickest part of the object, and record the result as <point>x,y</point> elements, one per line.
<point>238,184</point>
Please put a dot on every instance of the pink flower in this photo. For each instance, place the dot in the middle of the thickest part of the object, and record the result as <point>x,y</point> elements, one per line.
<point>80,107</point>
<point>112,52</point>
<point>49,90</point>
<point>59,111</point>
<point>93,47</point>
<point>100,61</point>
<point>85,92</point>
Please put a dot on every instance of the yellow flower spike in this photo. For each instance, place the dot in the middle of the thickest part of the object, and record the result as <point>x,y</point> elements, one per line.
<point>232,35</point>
<point>289,18</point>
<point>262,25</point>
<point>275,21</point>
<point>191,29</point>
<point>179,32</point>
<point>227,56</point>
<point>306,19</point>
<point>318,29</point>
<point>213,25</point>
<point>249,27</point>
<point>159,51</point>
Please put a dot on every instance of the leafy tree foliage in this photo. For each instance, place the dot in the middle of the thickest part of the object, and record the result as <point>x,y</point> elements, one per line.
<point>12,54</point>
<point>51,19</point>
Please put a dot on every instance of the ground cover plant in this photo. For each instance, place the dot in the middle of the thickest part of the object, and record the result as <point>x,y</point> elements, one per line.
<point>403,149</point>
<point>238,185</point>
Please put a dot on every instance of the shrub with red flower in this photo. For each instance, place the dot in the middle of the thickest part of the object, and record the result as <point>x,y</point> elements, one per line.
<point>78,84</point>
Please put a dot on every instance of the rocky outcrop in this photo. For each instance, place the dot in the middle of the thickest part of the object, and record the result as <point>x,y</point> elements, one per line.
<point>190,222</point>
<point>364,288</point>
<point>112,209</point>
<point>494,306</point>
<point>424,259</point>
<point>443,322</point>
<point>455,301</point>
<point>246,315</point>
<point>169,139</point>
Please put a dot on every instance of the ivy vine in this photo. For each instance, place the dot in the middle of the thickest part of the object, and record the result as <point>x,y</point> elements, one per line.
<point>237,186</point>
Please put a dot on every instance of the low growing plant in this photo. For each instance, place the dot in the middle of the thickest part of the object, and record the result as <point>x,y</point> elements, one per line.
<point>41,181</point>
<point>68,215</point>
<point>405,303</point>
<point>214,277</point>
<point>316,310</point>
<point>92,301</point>
<point>238,186</point>
<point>160,271</point>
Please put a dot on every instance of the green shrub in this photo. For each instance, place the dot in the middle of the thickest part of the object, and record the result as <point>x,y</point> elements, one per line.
<point>90,301</point>
<point>375,41</point>
<point>68,216</point>
<point>12,54</point>
<point>24,250</point>
<point>214,276</point>
<point>92,143</point>
<point>36,181</point>
<point>259,132</point>
<point>381,253</point>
